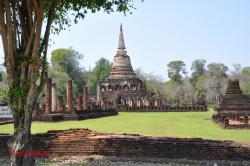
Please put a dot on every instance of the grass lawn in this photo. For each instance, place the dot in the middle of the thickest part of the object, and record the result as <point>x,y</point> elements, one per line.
<point>173,124</point>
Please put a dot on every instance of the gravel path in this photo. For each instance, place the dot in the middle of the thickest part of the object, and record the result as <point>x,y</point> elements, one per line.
<point>116,161</point>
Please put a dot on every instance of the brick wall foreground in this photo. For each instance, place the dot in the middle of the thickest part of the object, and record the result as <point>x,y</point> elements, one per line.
<point>86,142</point>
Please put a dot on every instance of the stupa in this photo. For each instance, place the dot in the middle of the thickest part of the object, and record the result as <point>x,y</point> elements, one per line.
<point>234,105</point>
<point>122,84</point>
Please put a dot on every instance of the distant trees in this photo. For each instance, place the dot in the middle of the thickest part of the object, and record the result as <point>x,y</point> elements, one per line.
<point>153,83</point>
<point>208,81</point>
<point>245,80</point>
<point>65,66</point>
<point>214,82</point>
<point>198,69</point>
<point>101,71</point>
<point>175,70</point>
<point>69,61</point>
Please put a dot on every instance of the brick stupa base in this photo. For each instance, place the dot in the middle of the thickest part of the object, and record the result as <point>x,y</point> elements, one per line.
<point>233,110</point>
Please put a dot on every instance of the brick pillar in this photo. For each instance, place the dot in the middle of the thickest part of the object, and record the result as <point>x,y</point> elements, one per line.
<point>54,98</point>
<point>246,120</point>
<point>48,96</point>
<point>98,89</point>
<point>59,104</point>
<point>69,96</point>
<point>85,97</point>
<point>79,103</point>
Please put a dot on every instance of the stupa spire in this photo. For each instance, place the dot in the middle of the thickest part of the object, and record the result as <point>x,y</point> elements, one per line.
<point>121,44</point>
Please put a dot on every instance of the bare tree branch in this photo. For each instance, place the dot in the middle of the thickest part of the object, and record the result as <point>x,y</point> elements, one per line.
<point>45,42</point>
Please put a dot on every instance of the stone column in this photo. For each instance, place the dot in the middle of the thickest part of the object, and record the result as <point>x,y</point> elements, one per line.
<point>48,96</point>
<point>54,98</point>
<point>85,97</point>
<point>59,104</point>
<point>69,96</point>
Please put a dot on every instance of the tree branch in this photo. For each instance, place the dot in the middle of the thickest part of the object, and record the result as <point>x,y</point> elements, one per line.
<point>15,44</point>
<point>3,27</point>
<point>44,45</point>
<point>9,61</point>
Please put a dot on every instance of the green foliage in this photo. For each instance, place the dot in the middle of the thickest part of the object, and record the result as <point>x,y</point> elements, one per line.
<point>246,71</point>
<point>176,69</point>
<point>198,68</point>
<point>101,71</point>
<point>218,70</point>
<point>214,82</point>
<point>3,93</point>
<point>199,89</point>
<point>245,80</point>
<point>15,91</point>
<point>168,89</point>
<point>246,88</point>
<point>67,60</point>
<point>80,8</point>
<point>60,78</point>
<point>1,76</point>
<point>152,82</point>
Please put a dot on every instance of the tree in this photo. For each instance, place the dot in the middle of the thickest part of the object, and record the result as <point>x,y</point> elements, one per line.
<point>217,70</point>
<point>25,47</point>
<point>101,71</point>
<point>67,60</point>
<point>60,78</point>
<point>198,68</point>
<point>153,83</point>
<point>245,80</point>
<point>214,82</point>
<point>237,71</point>
<point>175,70</point>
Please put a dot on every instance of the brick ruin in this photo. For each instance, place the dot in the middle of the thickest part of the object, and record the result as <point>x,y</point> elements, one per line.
<point>80,142</point>
<point>125,91</point>
<point>121,91</point>
<point>233,111</point>
<point>55,109</point>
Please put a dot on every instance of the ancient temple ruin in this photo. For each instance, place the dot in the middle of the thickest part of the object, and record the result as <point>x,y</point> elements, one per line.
<point>234,107</point>
<point>123,90</point>
<point>54,108</point>
<point>122,86</point>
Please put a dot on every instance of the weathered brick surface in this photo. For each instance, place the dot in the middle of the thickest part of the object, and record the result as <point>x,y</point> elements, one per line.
<point>163,109</point>
<point>79,142</point>
<point>234,105</point>
<point>76,115</point>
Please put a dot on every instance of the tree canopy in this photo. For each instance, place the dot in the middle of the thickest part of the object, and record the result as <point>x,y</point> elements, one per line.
<point>68,61</point>
<point>198,68</point>
<point>101,71</point>
<point>176,69</point>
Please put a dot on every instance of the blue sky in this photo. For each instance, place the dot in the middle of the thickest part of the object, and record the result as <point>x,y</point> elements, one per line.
<point>160,31</point>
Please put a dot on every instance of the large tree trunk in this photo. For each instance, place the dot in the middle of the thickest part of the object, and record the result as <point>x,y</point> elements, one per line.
<point>20,146</point>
